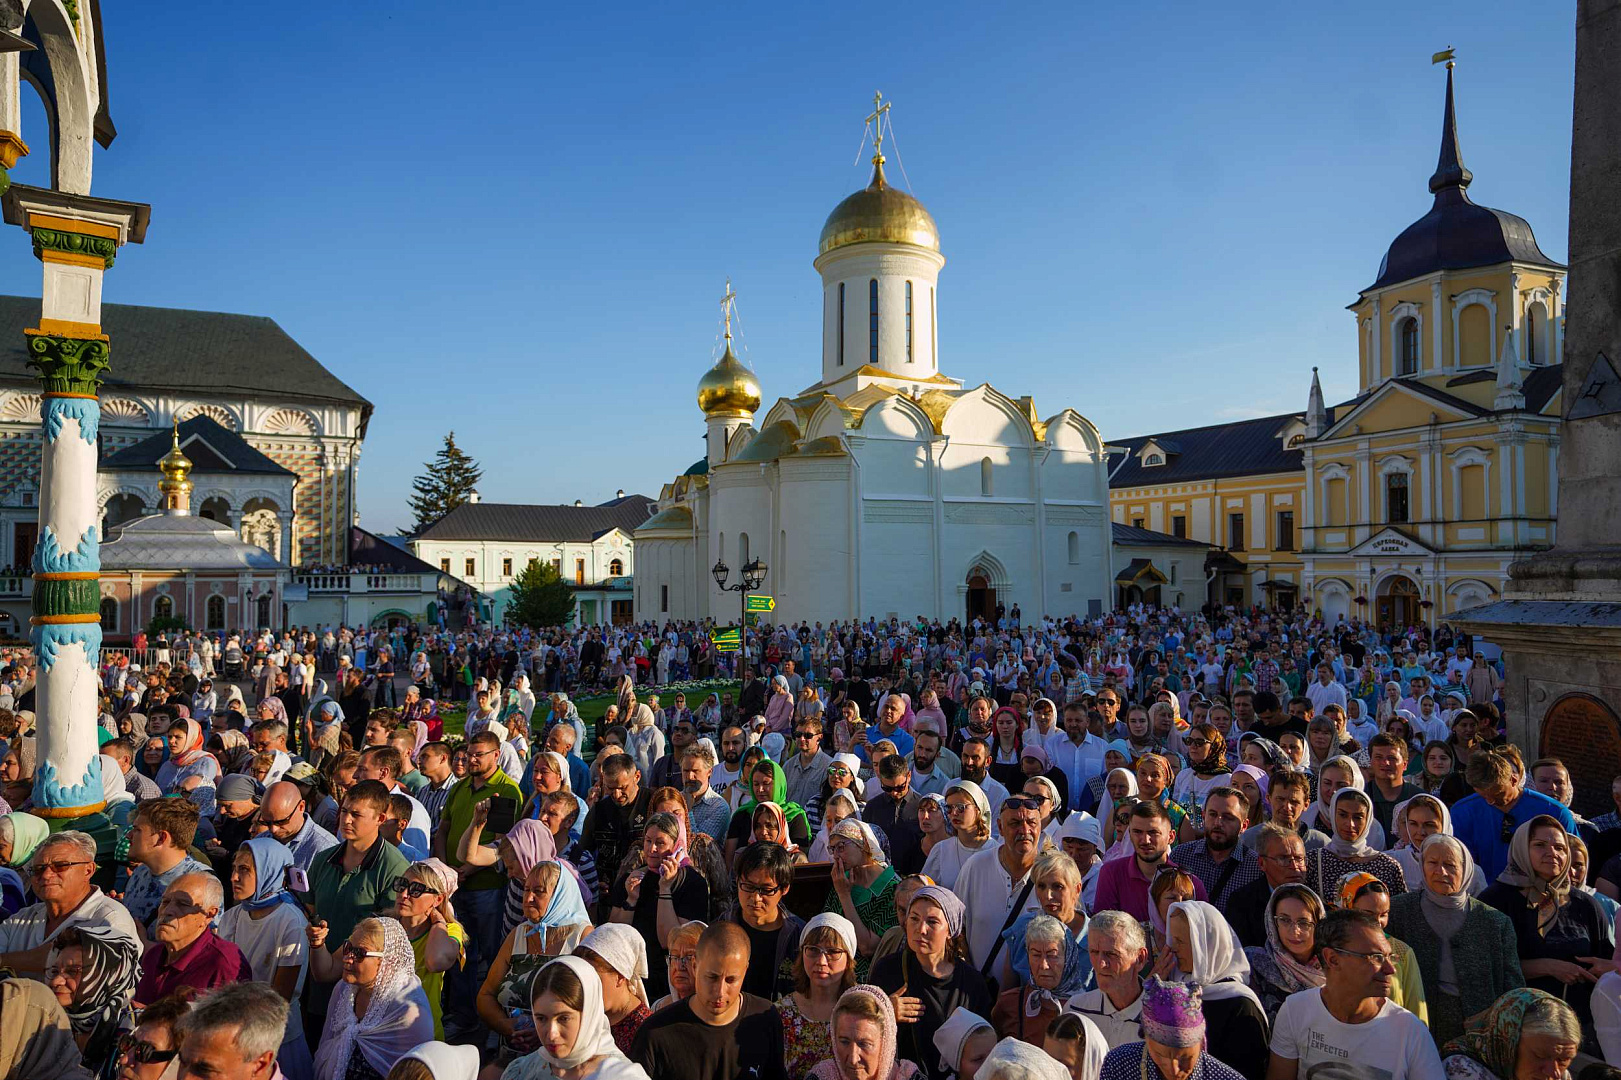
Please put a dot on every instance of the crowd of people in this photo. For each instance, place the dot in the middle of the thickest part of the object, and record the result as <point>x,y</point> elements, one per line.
<point>1148,845</point>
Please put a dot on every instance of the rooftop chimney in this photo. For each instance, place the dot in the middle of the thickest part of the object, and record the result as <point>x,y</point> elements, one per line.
<point>620,494</point>
<point>579,502</point>
<point>473,496</point>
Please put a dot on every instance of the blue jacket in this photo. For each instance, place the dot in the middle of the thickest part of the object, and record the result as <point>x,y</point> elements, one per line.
<point>1480,826</point>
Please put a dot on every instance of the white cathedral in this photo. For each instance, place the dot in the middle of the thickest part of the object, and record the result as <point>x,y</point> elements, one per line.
<point>886,488</point>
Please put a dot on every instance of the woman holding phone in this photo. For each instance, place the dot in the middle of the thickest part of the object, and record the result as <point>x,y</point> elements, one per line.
<point>664,893</point>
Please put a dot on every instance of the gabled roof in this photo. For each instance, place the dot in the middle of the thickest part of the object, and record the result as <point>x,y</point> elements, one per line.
<point>1542,384</point>
<point>1132,536</point>
<point>524,523</point>
<point>366,548</point>
<point>194,351</point>
<point>211,448</point>
<point>1240,448</point>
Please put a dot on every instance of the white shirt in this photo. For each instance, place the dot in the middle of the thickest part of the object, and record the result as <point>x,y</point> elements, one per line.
<point>1395,1045</point>
<point>1322,696</point>
<point>1118,1028</point>
<point>1079,763</point>
<point>946,859</point>
<point>987,891</point>
<point>26,929</point>
<point>268,944</point>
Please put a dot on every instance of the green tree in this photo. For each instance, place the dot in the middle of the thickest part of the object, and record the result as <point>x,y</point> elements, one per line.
<point>539,597</point>
<point>450,479</point>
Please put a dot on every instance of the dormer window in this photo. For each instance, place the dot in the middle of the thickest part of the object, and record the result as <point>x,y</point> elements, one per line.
<point>1295,442</point>
<point>1154,459</point>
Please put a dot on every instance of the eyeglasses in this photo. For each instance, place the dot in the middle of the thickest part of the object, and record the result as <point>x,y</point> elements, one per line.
<point>1021,802</point>
<point>357,953</point>
<point>1287,859</point>
<point>813,953</point>
<point>142,1052</point>
<point>1284,922</point>
<point>71,973</point>
<point>685,960</point>
<point>57,868</point>
<point>1380,959</point>
<point>758,890</point>
<point>806,733</point>
<point>413,889</point>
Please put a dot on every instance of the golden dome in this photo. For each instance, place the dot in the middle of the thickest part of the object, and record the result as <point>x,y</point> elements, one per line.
<point>729,388</point>
<point>176,469</point>
<point>879,213</point>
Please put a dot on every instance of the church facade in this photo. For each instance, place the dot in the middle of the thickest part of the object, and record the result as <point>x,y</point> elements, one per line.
<point>884,488</point>
<point>1407,503</point>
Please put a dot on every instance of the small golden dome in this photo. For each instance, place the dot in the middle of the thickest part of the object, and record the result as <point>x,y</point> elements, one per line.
<point>879,213</point>
<point>176,469</point>
<point>729,388</point>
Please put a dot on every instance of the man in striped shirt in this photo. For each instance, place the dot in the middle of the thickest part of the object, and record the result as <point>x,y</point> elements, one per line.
<point>433,762</point>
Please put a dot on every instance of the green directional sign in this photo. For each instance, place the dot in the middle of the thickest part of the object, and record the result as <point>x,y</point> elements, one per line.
<point>760,603</point>
<point>725,639</point>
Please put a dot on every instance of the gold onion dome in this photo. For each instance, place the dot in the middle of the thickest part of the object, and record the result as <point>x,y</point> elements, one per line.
<point>879,213</point>
<point>175,467</point>
<point>728,388</point>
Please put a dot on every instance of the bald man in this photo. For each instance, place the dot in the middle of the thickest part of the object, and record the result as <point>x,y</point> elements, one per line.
<point>719,1033</point>
<point>284,816</point>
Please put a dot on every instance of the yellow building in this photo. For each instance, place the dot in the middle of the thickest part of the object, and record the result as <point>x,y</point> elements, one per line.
<point>1408,502</point>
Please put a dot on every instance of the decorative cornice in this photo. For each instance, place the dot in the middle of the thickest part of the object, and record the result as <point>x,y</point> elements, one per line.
<point>12,149</point>
<point>68,365</point>
<point>76,244</point>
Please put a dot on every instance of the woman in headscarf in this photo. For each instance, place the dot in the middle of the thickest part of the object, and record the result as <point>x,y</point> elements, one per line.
<point>1076,1043</point>
<point>644,741</point>
<point>1465,949</point>
<point>619,955</point>
<point>842,804</point>
<point>323,730</point>
<point>1416,820</point>
<point>268,925</point>
<point>968,813</point>
<point>1116,755</point>
<point>92,970</point>
<point>1438,772</point>
<point>680,964</point>
<point>438,941</point>
<point>1560,931</point>
<point>779,706</point>
<point>1119,785</point>
<point>20,834</point>
<point>865,1042</point>
<point>1174,1045</point>
<point>1525,1035</point>
<point>767,783</point>
<point>437,1061</point>
<point>1336,773</point>
<point>17,771</point>
<point>1256,785</point>
<point>554,922</point>
<point>824,968</point>
<point>231,751</point>
<point>932,976</point>
<point>378,1012</point>
<point>1207,768</point>
<point>187,757</point>
<point>1049,965</point>
<point>965,1040</point>
<point>528,842</point>
<point>661,894</point>
<point>843,774</point>
<point>863,888</point>
<point>36,1040</point>
<point>1209,955</point>
<point>1349,849</point>
<point>572,1033</point>
<point>1287,963</point>
<point>771,827</point>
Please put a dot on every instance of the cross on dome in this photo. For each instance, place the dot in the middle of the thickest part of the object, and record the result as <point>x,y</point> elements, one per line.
<point>876,119</point>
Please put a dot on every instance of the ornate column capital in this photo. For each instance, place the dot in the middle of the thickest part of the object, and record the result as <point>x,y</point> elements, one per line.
<point>69,366</point>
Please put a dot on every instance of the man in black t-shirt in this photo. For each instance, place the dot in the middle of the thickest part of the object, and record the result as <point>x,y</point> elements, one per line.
<point>719,1033</point>
<point>613,828</point>
<point>765,872</point>
<point>1271,721</point>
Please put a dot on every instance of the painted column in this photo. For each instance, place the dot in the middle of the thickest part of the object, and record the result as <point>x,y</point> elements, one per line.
<point>75,238</point>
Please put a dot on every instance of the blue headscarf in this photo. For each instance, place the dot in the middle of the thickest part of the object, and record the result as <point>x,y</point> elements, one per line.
<point>1077,964</point>
<point>270,862</point>
<point>567,905</point>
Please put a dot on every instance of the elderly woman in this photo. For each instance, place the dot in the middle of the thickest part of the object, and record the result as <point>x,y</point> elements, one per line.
<point>20,834</point>
<point>931,977</point>
<point>1174,1040</point>
<point>1349,848</point>
<point>1416,820</point>
<point>17,772</point>
<point>969,814</point>
<point>554,922</point>
<point>1209,956</point>
<point>865,1039</point>
<point>1287,963</point>
<point>378,1011</point>
<point>779,707</point>
<point>1053,973</point>
<point>92,970</point>
<point>1525,1035</point>
<point>680,963</point>
<point>842,804</point>
<point>863,886</point>
<point>823,970</point>
<point>1561,934</point>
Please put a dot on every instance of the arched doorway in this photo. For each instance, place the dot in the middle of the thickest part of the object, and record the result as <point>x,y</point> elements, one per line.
<point>1397,605</point>
<point>981,595</point>
<point>121,508</point>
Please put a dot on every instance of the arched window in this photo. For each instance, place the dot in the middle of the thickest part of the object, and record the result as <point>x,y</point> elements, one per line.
<point>1396,497</point>
<point>1074,548</point>
<point>264,610</point>
<point>1155,459</point>
<point>215,612</point>
<point>109,615</point>
<point>984,476</point>
<point>841,324</point>
<point>1536,324</point>
<point>616,568</point>
<point>908,322</point>
<point>1409,347</point>
<point>163,608</point>
<point>742,550</point>
<point>872,318</point>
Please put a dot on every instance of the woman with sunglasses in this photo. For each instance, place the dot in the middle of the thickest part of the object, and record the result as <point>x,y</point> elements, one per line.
<point>152,1050</point>
<point>438,941</point>
<point>378,1012</point>
<point>968,813</point>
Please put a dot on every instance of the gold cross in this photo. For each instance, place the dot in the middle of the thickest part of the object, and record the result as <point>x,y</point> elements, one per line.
<point>726,308</point>
<point>879,108</point>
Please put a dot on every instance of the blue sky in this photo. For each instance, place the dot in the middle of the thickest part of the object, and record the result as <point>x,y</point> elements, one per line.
<point>515,219</point>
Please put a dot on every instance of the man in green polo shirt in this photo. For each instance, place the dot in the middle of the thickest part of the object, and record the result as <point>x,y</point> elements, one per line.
<point>479,901</point>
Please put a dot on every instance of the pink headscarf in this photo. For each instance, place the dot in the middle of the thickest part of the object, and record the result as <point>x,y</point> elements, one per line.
<point>782,823</point>
<point>888,1067</point>
<point>531,843</point>
<point>192,749</point>
<point>1262,781</point>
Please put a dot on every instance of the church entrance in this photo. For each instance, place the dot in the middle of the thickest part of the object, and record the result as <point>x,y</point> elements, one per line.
<point>1397,604</point>
<point>981,597</point>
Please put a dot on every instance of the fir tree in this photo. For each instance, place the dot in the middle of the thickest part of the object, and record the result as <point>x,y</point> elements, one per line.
<point>451,478</point>
<point>539,598</point>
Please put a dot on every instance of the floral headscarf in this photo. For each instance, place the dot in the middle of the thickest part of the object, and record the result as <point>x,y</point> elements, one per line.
<point>1495,1043</point>
<point>888,1067</point>
<point>112,966</point>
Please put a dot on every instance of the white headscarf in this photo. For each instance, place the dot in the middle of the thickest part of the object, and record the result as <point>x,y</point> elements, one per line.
<point>1121,845</point>
<point>621,945</point>
<point>819,847</point>
<point>595,1036</point>
<point>1220,968</point>
<point>1357,847</point>
<point>397,1020</point>
<point>951,1036</point>
<point>1095,1050</point>
<point>1015,1060</point>
<point>447,1062</point>
<point>839,925</point>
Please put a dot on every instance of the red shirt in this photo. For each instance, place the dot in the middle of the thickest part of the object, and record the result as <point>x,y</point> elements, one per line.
<point>208,962</point>
<point>1122,887</point>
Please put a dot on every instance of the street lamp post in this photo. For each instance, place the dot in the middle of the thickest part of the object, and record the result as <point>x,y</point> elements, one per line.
<point>753,575</point>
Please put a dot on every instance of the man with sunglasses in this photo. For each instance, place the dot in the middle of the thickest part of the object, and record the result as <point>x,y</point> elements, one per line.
<point>894,813</point>
<point>1349,1026</point>
<point>806,769</point>
<point>60,873</point>
<point>285,816</point>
